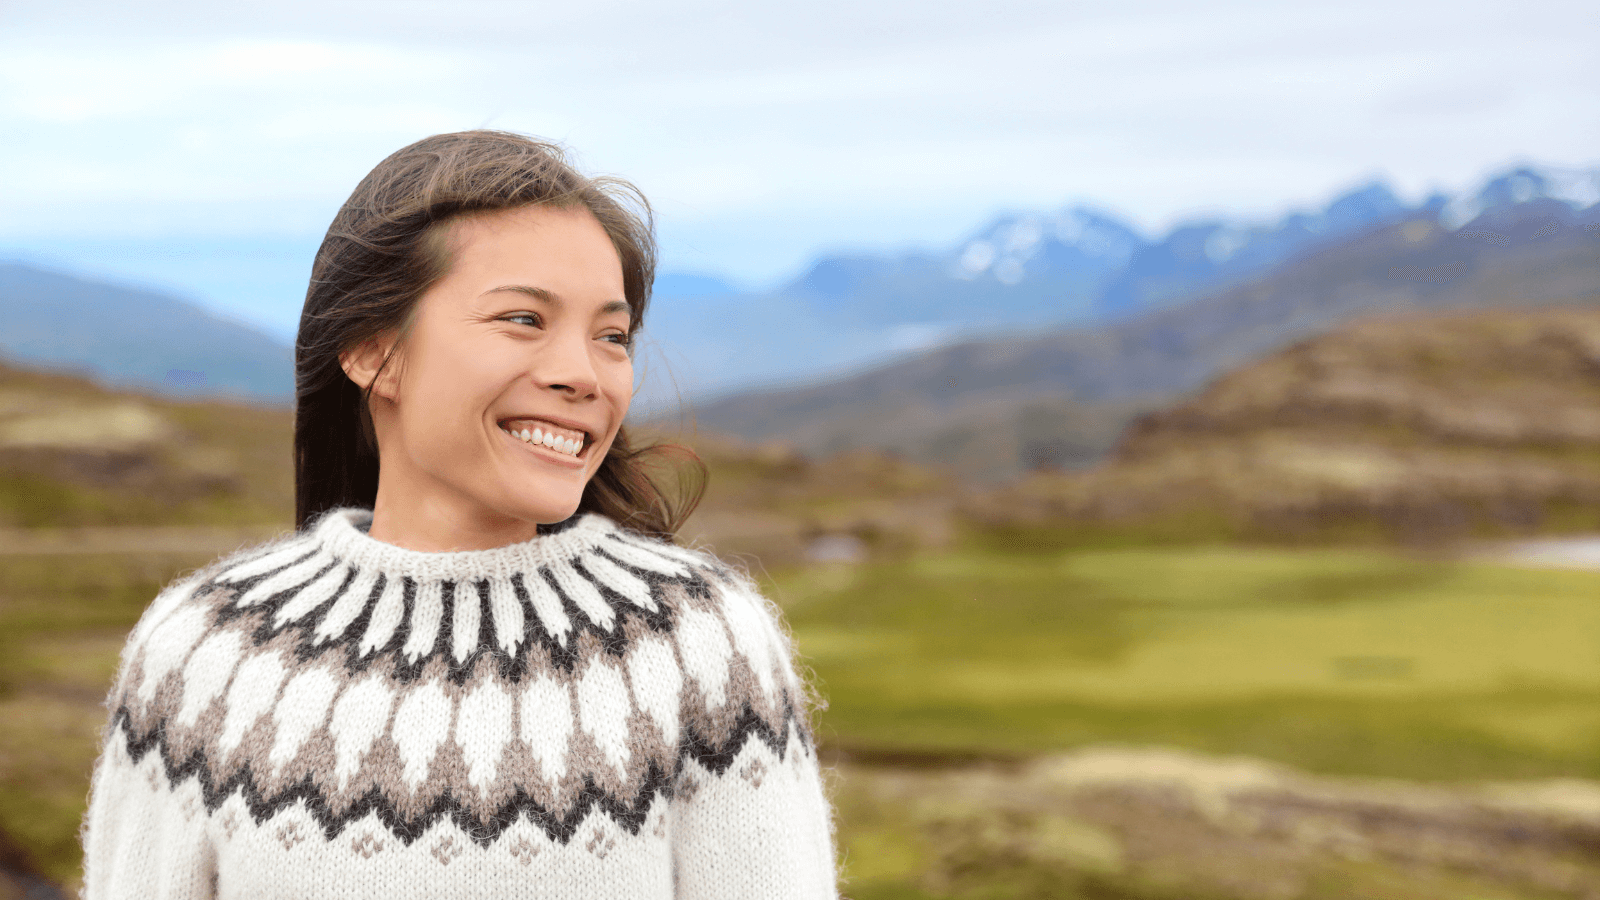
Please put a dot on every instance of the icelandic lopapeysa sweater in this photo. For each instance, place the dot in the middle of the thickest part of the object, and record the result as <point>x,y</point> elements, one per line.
<point>588,714</point>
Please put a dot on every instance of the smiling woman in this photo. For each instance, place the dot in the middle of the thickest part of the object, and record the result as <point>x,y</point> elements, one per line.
<point>527,332</point>
<point>481,667</point>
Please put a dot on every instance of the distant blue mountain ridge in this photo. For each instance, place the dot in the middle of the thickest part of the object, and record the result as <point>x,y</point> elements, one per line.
<point>1030,272</point>
<point>993,408</point>
<point>131,337</point>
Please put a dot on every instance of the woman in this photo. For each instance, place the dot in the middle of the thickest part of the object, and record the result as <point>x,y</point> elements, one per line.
<point>477,669</point>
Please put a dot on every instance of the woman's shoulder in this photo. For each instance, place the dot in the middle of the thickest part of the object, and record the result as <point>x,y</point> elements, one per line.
<point>182,617</point>
<point>728,588</point>
<point>247,563</point>
<point>729,624</point>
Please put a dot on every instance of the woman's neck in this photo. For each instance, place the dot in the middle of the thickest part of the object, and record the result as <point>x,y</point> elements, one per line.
<point>434,527</point>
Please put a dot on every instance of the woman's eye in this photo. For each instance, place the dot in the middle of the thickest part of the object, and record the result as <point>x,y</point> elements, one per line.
<point>528,319</point>
<point>621,339</point>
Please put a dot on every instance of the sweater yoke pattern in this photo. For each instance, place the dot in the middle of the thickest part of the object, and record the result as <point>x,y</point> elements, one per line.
<point>590,671</point>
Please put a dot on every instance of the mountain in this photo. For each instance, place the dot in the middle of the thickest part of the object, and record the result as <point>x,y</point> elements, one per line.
<point>1058,398</point>
<point>1026,272</point>
<point>1080,266</point>
<point>1204,254</point>
<point>1418,427</point>
<point>134,337</point>
<point>852,310</point>
<point>1018,269</point>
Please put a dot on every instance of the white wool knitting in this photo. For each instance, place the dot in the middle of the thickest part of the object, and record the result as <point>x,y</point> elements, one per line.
<point>588,714</point>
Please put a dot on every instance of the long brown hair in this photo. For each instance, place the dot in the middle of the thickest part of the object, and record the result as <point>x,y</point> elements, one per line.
<point>387,246</point>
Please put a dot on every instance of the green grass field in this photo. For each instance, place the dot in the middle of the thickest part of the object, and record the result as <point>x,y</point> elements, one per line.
<point>1337,661</point>
<point>1343,662</point>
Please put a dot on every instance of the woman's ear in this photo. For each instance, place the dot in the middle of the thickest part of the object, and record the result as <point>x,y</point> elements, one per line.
<point>370,363</point>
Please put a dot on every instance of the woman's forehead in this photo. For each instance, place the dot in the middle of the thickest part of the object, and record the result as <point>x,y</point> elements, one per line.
<point>557,255</point>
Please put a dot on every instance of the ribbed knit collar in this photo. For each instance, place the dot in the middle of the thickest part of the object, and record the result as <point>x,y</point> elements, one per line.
<point>343,533</point>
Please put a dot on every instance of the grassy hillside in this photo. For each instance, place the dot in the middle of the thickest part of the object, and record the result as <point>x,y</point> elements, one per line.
<point>1419,429</point>
<point>766,505</point>
<point>992,698</point>
<point>73,453</point>
<point>954,680</point>
<point>1347,662</point>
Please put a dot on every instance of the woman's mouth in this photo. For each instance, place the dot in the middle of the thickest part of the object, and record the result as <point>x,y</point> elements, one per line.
<point>566,441</point>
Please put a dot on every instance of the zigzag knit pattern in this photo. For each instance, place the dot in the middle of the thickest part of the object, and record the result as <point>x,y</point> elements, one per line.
<point>589,713</point>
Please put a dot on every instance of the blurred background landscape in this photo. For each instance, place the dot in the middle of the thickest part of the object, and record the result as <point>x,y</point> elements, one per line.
<point>1173,439</point>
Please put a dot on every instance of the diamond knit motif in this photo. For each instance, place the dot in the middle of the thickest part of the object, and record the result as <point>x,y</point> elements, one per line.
<point>585,673</point>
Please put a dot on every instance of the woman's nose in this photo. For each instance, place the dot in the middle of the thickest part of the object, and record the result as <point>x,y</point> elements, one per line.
<point>565,365</point>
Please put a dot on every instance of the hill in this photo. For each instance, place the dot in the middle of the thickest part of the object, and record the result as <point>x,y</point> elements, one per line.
<point>995,408</point>
<point>76,453</point>
<point>1417,428</point>
<point>137,338</point>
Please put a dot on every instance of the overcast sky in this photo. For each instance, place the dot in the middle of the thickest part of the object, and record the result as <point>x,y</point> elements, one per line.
<point>763,132</point>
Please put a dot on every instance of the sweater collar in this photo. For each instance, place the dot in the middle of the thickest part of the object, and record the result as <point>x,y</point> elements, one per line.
<point>343,533</point>
<point>334,582</point>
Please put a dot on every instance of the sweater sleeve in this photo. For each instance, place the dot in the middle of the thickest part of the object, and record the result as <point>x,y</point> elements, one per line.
<point>141,838</point>
<point>752,816</point>
<point>143,835</point>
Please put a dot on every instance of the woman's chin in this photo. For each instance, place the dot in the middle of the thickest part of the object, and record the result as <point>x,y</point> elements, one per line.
<point>543,511</point>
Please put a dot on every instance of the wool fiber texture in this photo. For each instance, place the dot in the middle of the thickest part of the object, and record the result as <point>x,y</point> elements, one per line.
<point>592,713</point>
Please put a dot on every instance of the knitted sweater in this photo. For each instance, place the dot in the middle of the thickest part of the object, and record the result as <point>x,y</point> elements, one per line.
<point>588,714</point>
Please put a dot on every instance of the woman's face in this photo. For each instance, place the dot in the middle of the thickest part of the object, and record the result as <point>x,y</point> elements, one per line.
<point>510,386</point>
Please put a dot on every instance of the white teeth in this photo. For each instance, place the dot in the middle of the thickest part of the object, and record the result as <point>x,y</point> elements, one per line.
<point>569,446</point>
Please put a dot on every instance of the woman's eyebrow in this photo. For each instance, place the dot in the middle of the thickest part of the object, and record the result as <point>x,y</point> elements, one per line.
<point>551,297</point>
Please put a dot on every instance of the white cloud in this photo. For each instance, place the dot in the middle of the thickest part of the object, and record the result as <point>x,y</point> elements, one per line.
<point>764,131</point>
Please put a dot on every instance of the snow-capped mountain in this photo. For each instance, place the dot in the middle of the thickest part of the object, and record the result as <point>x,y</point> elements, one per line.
<point>1032,272</point>
<point>1576,188</point>
<point>1210,253</point>
<point>996,407</point>
<point>1020,269</point>
<point>1078,243</point>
